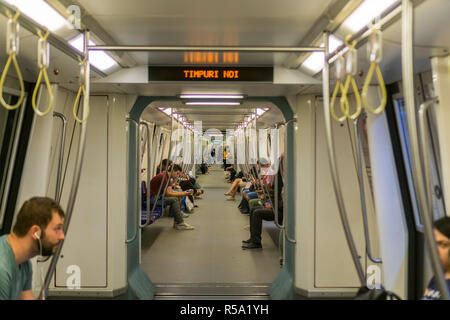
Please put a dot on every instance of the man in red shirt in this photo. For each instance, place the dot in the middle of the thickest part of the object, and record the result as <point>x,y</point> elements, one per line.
<point>171,198</point>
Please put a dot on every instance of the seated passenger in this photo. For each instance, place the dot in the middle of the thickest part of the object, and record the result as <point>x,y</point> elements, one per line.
<point>171,197</point>
<point>163,166</point>
<point>232,172</point>
<point>259,212</point>
<point>186,184</point>
<point>237,183</point>
<point>38,231</point>
<point>442,236</point>
<point>204,168</point>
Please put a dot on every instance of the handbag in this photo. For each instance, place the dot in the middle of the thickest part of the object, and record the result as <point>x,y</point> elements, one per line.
<point>189,205</point>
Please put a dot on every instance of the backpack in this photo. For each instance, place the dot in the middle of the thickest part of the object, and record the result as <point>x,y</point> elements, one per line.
<point>364,293</point>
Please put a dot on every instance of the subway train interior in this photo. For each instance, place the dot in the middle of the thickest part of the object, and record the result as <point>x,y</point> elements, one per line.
<point>306,143</point>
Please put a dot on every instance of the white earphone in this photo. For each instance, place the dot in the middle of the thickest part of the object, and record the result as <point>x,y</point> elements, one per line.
<point>37,235</point>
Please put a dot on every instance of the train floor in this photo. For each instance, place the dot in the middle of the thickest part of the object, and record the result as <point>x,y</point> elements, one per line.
<point>209,261</point>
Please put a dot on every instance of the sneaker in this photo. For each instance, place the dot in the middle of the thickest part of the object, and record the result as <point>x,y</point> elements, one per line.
<point>185,215</point>
<point>183,226</point>
<point>251,245</point>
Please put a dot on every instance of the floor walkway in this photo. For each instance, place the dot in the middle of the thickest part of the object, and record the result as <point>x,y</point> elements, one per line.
<point>212,253</point>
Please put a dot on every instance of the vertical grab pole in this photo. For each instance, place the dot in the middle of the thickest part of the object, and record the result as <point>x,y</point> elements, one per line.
<point>137,186</point>
<point>145,124</point>
<point>77,172</point>
<point>362,192</point>
<point>425,146</point>
<point>61,155</point>
<point>408,89</point>
<point>332,162</point>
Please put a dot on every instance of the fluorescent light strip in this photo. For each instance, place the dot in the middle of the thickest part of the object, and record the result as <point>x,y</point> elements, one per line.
<point>260,111</point>
<point>211,96</point>
<point>315,61</point>
<point>212,103</point>
<point>365,13</point>
<point>42,13</point>
<point>99,59</point>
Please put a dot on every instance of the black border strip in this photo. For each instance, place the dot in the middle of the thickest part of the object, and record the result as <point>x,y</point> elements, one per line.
<point>25,135</point>
<point>415,239</point>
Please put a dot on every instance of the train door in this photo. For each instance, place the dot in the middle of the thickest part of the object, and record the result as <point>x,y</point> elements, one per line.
<point>175,261</point>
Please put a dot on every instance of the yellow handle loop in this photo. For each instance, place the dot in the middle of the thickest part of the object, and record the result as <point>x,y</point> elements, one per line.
<point>75,106</point>
<point>12,57</point>
<point>345,102</point>
<point>345,105</point>
<point>374,67</point>
<point>47,83</point>
<point>347,42</point>
<point>16,16</point>
<point>50,94</point>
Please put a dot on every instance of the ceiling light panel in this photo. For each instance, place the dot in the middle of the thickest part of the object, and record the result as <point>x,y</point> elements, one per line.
<point>365,13</point>
<point>42,13</point>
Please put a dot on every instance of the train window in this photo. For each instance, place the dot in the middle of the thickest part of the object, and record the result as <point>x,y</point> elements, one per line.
<point>402,125</point>
<point>9,124</point>
<point>438,202</point>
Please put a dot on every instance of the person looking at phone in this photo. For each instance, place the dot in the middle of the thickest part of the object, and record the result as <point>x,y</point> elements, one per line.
<point>172,198</point>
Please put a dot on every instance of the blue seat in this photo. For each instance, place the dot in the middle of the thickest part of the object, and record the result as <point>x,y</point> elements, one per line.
<point>156,213</point>
<point>158,209</point>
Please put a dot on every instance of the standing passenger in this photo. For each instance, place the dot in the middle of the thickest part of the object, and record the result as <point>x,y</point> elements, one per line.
<point>38,231</point>
<point>442,236</point>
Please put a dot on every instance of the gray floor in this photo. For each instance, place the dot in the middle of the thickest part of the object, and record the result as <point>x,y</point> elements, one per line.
<point>211,255</point>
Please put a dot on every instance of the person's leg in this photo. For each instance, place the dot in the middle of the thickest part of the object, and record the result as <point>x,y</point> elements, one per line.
<point>256,224</point>
<point>174,204</point>
<point>253,203</point>
<point>252,195</point>
<point>236,184</point>
<point>232,191</point>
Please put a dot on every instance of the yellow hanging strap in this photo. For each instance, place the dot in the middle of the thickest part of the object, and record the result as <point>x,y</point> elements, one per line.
<point>43,61</point>
<point>375,50</point>
<point>82,88</point>
<point>339,69</point>
<point>351,69</point>
<point>12,44</point>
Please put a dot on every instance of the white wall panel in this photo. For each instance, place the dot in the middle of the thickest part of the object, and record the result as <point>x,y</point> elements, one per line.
<point>86,241</point>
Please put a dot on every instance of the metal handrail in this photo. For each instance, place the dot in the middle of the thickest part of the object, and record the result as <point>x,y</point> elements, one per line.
<point>61,155</point>
<point>167,168</point>
<point>425,147</point>
<point>204,48</point>
<point>75,182</point>
<point>275,209</point>
<point>333,167</point>
<point>60,165</point>
<point>285,219</point>
<point>359,172</point>
<point>145,124</point>
<point>137,215</point>
<point>419,185</point>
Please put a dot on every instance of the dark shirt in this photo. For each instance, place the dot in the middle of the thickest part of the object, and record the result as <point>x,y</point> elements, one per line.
<point>433,291</point>
<point>156,182</point>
